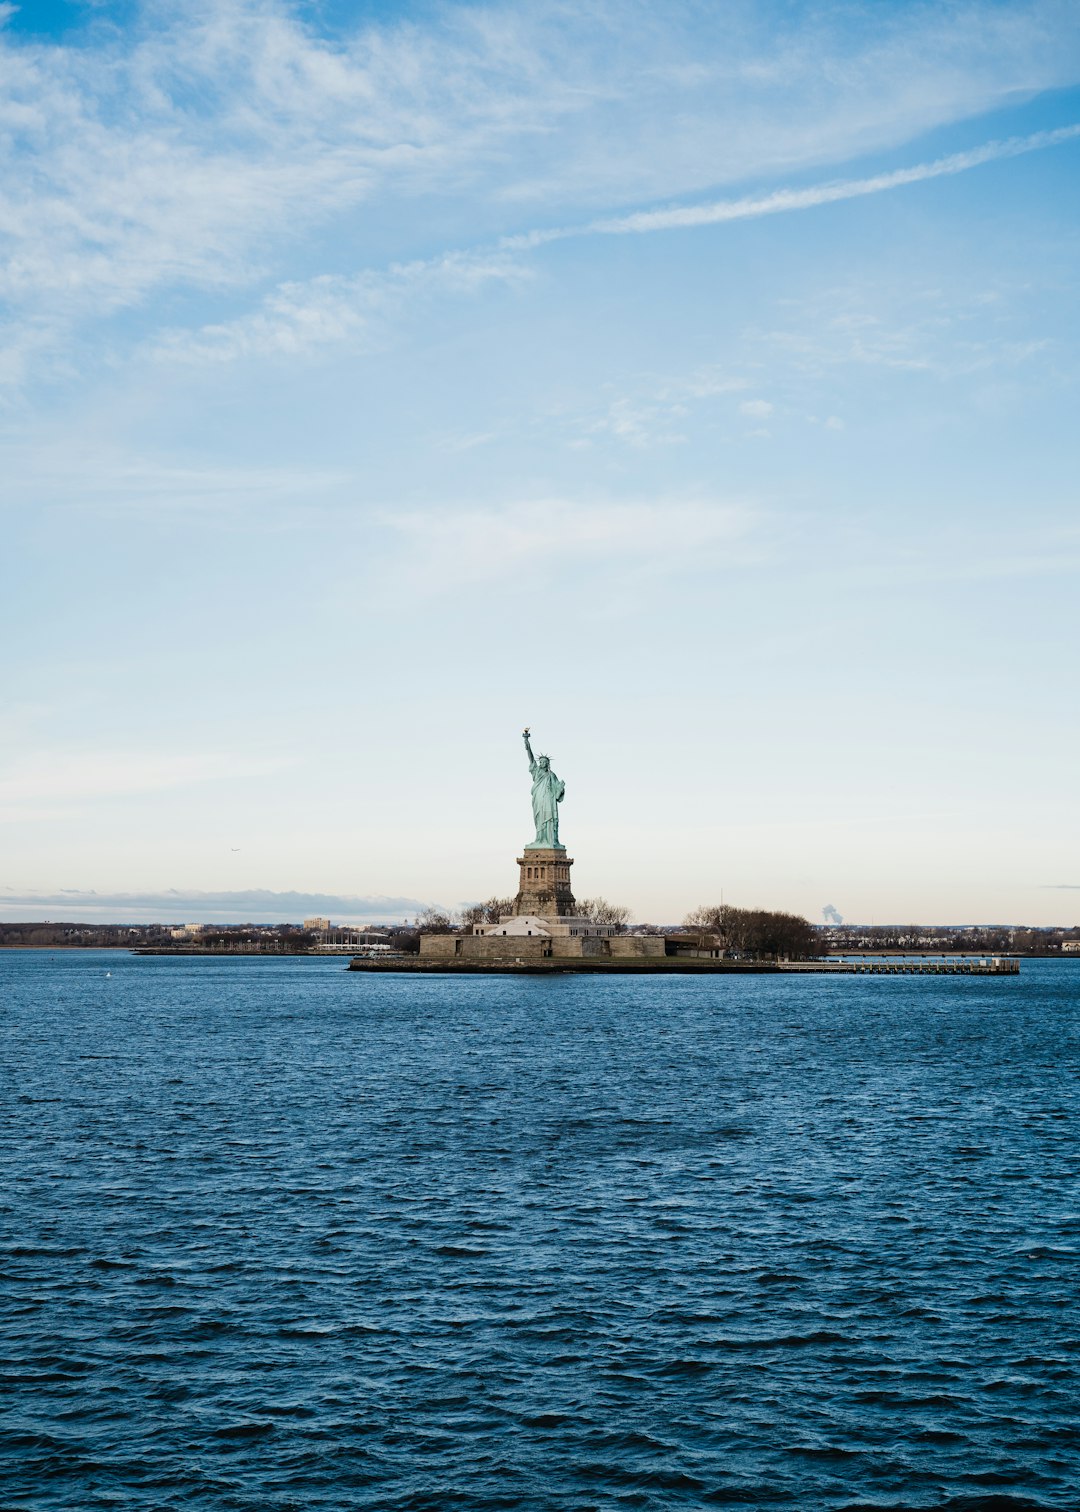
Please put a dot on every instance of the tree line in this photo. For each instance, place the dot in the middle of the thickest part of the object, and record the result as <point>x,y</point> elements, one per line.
<point>960,937</point>
<point>439,921</point>
<point>755,934</point>
<point>461,921</point>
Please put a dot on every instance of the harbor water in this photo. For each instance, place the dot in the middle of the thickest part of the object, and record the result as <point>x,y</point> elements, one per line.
<point>277,1236</point>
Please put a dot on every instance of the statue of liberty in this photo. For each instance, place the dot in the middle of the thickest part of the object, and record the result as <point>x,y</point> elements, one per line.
<point>547,794</point>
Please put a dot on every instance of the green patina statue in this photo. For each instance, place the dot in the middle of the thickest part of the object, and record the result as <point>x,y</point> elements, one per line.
<point>547,794</point>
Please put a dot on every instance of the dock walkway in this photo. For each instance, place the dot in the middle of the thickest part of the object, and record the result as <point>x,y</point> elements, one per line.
<point>916,965</point>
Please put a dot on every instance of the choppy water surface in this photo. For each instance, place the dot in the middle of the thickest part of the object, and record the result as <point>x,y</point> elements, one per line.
<point>275,1236</point>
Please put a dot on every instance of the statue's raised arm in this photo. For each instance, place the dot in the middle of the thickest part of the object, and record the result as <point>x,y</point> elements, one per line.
<point>528,749</point>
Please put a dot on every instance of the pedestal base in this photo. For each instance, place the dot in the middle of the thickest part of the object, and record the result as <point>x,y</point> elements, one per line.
<point>544,884</point>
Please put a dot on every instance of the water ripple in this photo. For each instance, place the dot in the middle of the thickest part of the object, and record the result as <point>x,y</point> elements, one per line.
<point>278,1239</point>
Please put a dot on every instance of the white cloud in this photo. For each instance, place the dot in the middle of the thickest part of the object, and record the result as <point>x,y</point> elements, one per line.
<point>935,332</point>
<point>298,318</point>
<point>71,777</point>
<point>466,443</point>
<point>207,146</point>
<point>756,409</point>
<point>447,547</point>
<point>112,481</point>
<point>781,201</point>
<point>201,149</point>
<point>743,91</point>
<point>656,411</point>
<point>704,383</point>
<point>639,424</point>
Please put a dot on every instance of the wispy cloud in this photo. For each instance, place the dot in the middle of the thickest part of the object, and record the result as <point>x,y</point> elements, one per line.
<point>300,316</point>
<point>936,332</point>
<point>640,424</point>
<point>783,201</point>
<point>175,152</point>
<point>112,482</point>
<point>209,147</point>
<point>60,779</point>
<point>657,411</point>
<point>450,546</point>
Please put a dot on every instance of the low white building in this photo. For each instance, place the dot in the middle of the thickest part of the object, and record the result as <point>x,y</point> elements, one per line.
<point>545,928</point>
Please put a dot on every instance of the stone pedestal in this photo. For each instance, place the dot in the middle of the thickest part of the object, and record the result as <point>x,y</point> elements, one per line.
<point>544,887</point>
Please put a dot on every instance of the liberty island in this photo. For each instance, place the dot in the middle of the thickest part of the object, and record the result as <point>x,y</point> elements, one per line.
<point>546,932</point>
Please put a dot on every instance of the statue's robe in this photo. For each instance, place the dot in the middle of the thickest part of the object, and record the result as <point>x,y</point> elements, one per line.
<point>547,790</point>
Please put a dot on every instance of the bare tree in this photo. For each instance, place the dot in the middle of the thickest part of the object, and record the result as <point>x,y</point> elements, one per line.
<point>755,932</point>
<point>486,913</point>
<point>434,921</point>
<point>706,918</point>
<point>600,911</point>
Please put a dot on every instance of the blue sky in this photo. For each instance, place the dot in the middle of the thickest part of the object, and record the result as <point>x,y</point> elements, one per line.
<point>696,384</point>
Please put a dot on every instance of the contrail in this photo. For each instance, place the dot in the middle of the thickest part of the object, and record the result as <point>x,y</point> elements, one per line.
<point>781,200</point>
<point>285,317</point>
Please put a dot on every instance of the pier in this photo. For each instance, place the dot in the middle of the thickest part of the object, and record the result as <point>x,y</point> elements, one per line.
<point>689,966</point>
<point>904,965</point>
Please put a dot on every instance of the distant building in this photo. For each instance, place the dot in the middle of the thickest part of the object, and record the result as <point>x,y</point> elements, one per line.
<point>318,925</point>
